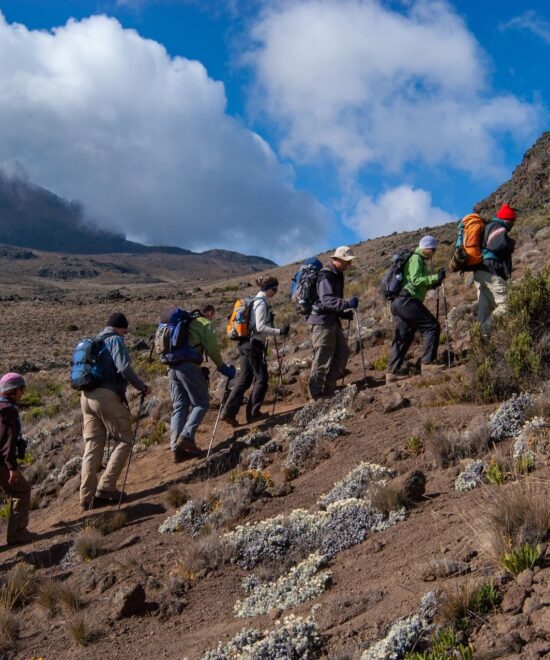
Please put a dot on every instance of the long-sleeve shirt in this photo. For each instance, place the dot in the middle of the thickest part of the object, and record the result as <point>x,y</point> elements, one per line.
<point>330,293</point>
<point>117,379</point>
<point>203,339</point>
<point>416,276</point>
<point>261,319</point>
<point>10,431</point>
<point>497,248</point>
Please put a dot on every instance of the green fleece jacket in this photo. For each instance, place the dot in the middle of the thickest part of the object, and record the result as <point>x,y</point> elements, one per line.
<point>417,279</point>
<point>202,337</point>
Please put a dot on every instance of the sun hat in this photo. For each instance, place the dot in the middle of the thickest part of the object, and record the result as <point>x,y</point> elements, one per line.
<point>343,253</point>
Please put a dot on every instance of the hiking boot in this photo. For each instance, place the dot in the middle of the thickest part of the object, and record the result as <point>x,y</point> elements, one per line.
<point>179,455</point>
<point>431,368</point>
<point>187,446</point>
<point>107,497</point>
<point>393,378</point>
<point>258,417</point>
<point>229,419</point>
<point>24,537</point>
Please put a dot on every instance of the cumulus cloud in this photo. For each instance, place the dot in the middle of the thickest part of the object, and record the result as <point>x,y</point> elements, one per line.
<point>531,22</point>
<point>96,112</point>
<point>359,83</point>
<point>400,209</point>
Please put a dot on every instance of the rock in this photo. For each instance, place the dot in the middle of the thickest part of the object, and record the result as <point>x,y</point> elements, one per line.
<point>89,579</point>
<point>395,402</point>
<point>283,490</point>
<point>411,485</point>
<point>540,620</point>
<point>507,624</point>
<point>531,604</point>
<point>514,598</point>
<point>525,579</point>
<point>128,541</point>
<point>107,581</point>
<point>542,234</point>
<point>141,345</point>
<point>128,600</point>
<point>443,568</point>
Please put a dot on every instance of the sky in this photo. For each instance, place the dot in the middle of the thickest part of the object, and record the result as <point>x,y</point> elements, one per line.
<point>279,128</point>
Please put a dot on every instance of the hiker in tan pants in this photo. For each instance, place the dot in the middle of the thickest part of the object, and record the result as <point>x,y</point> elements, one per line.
<point>105,411</point>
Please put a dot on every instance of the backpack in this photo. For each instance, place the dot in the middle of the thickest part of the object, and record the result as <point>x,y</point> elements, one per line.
<point>238,326</point>
<point>172,338</point>
<point>467,252</point>
<point>392,282</point>
<point>86,368</point>
<point>303,290</point>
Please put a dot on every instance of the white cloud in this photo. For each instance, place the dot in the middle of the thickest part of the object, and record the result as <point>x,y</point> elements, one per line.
<point>358,83</point>
<point>96,112</point>
<point>531,22</point>
<point>400,209</point>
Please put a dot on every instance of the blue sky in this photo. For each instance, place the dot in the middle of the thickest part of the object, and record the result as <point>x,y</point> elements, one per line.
<point>275,128</point>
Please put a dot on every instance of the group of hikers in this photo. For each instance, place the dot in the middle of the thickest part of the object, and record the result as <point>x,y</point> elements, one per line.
<point>104,405</point>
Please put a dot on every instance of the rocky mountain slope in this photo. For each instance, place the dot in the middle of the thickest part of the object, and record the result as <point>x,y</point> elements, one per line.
<point>372,525</point>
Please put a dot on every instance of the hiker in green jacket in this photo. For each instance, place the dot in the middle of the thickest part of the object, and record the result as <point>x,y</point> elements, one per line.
<point>189,389</point>
<point>410,314</point>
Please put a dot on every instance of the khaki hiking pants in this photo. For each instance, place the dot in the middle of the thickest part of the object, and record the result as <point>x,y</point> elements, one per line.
<point>104,413</point>
<point>20,494</point>
<point>330,357</point>
<point>492,293</point>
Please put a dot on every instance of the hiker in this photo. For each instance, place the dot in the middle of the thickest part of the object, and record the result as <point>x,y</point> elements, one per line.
<point>189,386</point>
<point>330,347</point>
<point>105,411</point>
<point>252,349</point>
<point>492,275</point>
<point>12,447</point>
<point>410,314</point>
<point>208,311</point>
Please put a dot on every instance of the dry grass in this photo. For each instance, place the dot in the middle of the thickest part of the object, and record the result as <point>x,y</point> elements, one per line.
<point>450,446</point>
<point>510,517</point>
<point>385,498</point>
<point>9,630</point>
<point>457,602</point>
<point>540,406</point>
<point>89,542</point>
<point>176,496</point>
<point>206,554</point>
<point>17,587</point>
<point>110,522</point>
<point>78,630</point>
<point>52,596</point>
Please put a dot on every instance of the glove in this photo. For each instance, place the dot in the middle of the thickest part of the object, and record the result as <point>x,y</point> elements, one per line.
<point>441,274</point>
<point>353,303</point>
<point>347,316</point>
<point>284,331</point>
<point>228,370</point>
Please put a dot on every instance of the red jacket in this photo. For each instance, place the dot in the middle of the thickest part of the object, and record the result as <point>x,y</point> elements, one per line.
<point>10,431</point>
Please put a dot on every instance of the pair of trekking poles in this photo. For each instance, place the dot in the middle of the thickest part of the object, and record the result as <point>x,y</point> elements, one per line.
<point>358,340</point>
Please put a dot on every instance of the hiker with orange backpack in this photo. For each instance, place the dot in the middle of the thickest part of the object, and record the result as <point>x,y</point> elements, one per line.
<point>492,274</point>
<point>410,314</point>
<point>255,327</point>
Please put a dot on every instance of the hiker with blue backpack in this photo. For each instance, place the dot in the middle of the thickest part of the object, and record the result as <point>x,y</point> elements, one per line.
<point>409,312</point>
<point>12,449</point>
<point>183,339</point>
<point>252,331</point>
<point>106,412</point>
<point>492,274</point>
<point>330,346</point>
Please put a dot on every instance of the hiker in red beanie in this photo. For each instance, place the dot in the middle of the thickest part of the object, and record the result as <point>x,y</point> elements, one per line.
<point>492,275</point>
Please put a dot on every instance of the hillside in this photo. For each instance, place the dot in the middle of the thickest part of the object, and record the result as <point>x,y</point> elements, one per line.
<point>303,516</point>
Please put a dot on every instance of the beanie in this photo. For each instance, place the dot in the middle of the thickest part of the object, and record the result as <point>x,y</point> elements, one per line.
<point>117,320</point>
<point>428,243</point>
<point>10,382</point>
<point>506,212</point>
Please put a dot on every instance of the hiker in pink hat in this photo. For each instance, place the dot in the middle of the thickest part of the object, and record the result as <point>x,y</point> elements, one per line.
<point>12,448</point>
<point>492,275</point>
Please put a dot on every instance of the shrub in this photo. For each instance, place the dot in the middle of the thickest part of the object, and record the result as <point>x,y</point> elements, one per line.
<point>444,645</point>
<point>78,630</point>
<point>385,498</point>
<point>176,496</point>
<point>462,601</point>
<point>525,464</point>
<point>31,398</point>
<point>9,629</point>
<point>520,559</point>
<point>381,363</point>
<point>107,523</point>
<point>89,542</point>
<point>414,445</point>
<point>515,356</point>
<point>494,473</point>
<point>17,586</point>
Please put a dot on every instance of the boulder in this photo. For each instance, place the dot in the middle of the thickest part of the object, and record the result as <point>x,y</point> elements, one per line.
<point>128,600</point>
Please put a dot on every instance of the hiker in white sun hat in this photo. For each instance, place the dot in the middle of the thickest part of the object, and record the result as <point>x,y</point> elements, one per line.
<point>330,347</point>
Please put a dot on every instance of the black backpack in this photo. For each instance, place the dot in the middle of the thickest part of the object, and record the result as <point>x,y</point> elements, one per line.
<point>304,286</point>
<point>392,282</point>
<point>172,337</point>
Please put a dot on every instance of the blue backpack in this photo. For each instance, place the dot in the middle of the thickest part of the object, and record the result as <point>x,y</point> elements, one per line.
<point>303,290</point>
<point>172,337</point>
<point>87,364</point>
<point>392,282</point>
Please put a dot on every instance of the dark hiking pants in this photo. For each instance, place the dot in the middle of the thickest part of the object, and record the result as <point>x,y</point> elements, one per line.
<point>252,367</point>
<point>410,315</point>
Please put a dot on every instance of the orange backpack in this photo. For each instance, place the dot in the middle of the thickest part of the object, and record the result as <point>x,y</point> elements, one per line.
<point>467,253</point>
<point>238,324</point>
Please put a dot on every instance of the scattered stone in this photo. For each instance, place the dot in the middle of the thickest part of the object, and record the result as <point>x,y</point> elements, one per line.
<point>443,568</point>
<point>525,579</point>
<point>106,582</point>
<point>128,600</point>
<point>411,485</point>
<point>514,598</point>
<point>395,402</point>
<point>128,541</point>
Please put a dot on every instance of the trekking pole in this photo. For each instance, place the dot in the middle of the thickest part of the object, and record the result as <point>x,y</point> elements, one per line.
<point>437,303</point>
<point>280,377</point>
<point>140,408</point>
<point>447,339</point>
<point>360,342</point>
<point>347,342</point>
<point>224,398</point>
